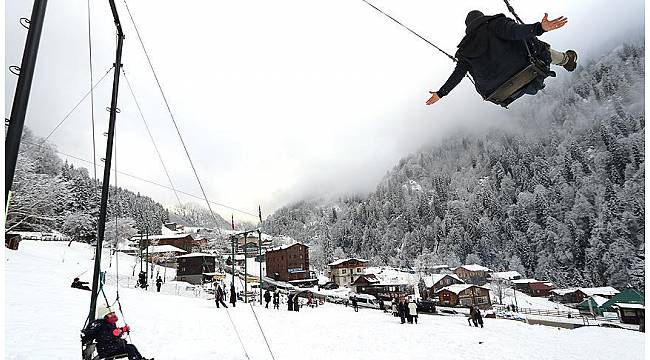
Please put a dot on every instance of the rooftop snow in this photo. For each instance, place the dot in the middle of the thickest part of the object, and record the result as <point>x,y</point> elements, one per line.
<point>506,275</point>
<point>341,261</point>
<point>196,255</point>
<point>605,290</point>
<point>474,267</point>
<point>164,248</point>
<point>629,306</point>
<point>457,288</point>
<point>160,237</point>
<point>525,281</point>
<point>429,281</point>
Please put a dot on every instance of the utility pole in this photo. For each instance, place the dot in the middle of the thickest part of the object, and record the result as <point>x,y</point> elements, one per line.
<point>245,267</point>
<point>21,96</point>
<point>259,233</point>
<point>146,278</point>
<point>101,223</point>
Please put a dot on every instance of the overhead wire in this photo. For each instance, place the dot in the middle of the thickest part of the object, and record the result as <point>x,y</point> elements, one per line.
<point>153,141</point>
<point>92,95</point>
<point>76,106</point>
<point>170,113</point>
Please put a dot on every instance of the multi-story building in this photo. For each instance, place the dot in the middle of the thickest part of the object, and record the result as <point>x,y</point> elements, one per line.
<point>344,272</point>
<point>288,263</point>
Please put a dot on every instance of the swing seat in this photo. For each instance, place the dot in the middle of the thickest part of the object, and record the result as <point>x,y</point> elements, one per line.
<point>114,357</point>
<point>512,88</point>
<point>89,352</point>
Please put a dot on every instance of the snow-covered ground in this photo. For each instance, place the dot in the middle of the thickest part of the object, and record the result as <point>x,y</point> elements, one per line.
<point>44,315</point>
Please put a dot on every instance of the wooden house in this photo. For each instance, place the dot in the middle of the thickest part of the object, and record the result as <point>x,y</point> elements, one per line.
<point>464,295</point>
<point>631,314</point>
<point>371,285</point>
<point>577,295</point>
<point>192,267</point>
<point>628,296</point>
<point>473,273</point>
<point>288,263</point>
<point>182,241</point>
<point>344,272</point>
<point>541,288</point>
<point>435,282</point>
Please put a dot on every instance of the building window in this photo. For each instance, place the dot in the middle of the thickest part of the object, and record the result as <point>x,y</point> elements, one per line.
<point>344,271</point>
<point>359,270</point>
<point>481,300</point>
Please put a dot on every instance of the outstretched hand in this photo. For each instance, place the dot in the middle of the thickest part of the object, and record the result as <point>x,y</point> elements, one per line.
<point>548,25</point>
<point>434,97</point>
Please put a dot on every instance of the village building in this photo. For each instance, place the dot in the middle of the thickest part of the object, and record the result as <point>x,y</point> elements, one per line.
<point>239,259</point>
<point>541,288</point>
<point>386,291</point>
<point>577,295</point>
<point>344,272</point>
<point>288,262</point>
<point>164,255</point>
<point>628,295</point>
<point>522,284</point>
<point>592,305</point>
<point>193,267</point>
<point>464,295</point>
<point>181,241</point>
<point>631,314</point>
<point>473,273</point>
<point>435,282</point>
<point>504,276</point>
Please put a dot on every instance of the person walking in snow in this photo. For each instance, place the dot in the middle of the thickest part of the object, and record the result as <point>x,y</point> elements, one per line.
<point>108,336</point>
<point>219,296</point>
<point>267,297</point>
<point>78,284</point>
<point>296,305</point>
<point>401,309</point>
<point>276,299</point>
<point>233,294</point>
<point>394,308</point>
<point>479,317</point>
<point>472,316</point>
<point>355,303</point>
<point>413,311</point>
<point>290,302</point>
<point>158,283</point>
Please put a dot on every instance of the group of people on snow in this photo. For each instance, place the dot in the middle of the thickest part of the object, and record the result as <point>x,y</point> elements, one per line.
<point>475,317</point>
<point>406,310</point>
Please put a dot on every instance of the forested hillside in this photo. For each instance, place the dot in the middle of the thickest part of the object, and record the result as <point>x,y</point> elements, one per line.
<point>559,196</point>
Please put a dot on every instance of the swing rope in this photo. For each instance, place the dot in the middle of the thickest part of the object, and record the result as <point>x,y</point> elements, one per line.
<point>420,36</point>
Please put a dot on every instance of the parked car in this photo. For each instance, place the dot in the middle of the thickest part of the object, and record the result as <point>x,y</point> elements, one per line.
<point>448,311</point>
<point>330,285</point>
<point>366,300</point>
<point>426,306</point>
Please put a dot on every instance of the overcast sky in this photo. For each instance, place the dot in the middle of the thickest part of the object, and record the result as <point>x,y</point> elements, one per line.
<point>276,100</point>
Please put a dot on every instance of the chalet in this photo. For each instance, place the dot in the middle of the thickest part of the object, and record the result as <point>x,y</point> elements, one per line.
<point>504,276</point>
<point>344,272</point>
<point>628,296</point>
<point>540,288</point>
<point>164,255</point>
<point>592,305</point>
<point>472,274</point>
<point>239,260</point>
<point>435,282</point>
<point>192,267</point>
<point>464,295</point>
<point>288,262</point>
<point>387,291</point>
<point>631,314</point>
<point>182,241</point>
<point>522,284</point>
<point>577,295</point>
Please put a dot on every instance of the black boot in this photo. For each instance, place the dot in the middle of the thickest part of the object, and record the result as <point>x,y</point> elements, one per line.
<point>572,60</point>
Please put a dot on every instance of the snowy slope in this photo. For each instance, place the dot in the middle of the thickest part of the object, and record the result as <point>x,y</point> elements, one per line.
<point>44,315</point>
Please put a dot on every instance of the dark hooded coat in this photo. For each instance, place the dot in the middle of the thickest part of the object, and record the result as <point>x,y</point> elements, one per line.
<point>493,50</point>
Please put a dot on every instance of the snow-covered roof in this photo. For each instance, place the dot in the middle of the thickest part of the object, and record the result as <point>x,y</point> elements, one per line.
<point>605,290</point>
<point>629,306</point>
<point>474,267</point>
<point>341,261</point>
<point>282,247</point>
<point>159,237</point>
<point>164,248</point>
<point>431,280</point>
<point>457,288</point>
<point>196,255</point>
<point>563,291</point>
<point>505,275</point>
<point>524,281</point>
<point>599,300</point>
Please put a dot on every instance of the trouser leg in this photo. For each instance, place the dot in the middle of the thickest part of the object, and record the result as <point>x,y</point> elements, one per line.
<point>558,58</point>
<point>132,351</point>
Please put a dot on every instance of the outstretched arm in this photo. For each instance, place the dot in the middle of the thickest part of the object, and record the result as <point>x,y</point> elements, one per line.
<point>508,29</point>
<point>455,78</point>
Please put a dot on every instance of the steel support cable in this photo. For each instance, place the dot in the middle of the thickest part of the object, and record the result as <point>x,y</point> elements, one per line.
<point>92,96</point>
<point>418,35</point>
<point>512,11</point>
<point>171,114</point>
<point>162,162</point>
<point>144,180</point>
<point>76,106</point>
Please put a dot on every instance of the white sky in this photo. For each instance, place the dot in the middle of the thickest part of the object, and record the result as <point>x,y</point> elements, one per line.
<point>276,100</point>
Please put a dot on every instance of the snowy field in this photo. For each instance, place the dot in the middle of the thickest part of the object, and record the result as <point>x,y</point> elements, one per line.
<point>44,316</point>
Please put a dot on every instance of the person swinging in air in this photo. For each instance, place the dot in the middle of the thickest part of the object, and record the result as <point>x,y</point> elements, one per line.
<point>496,48</point>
